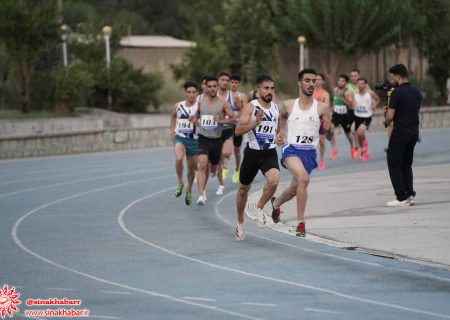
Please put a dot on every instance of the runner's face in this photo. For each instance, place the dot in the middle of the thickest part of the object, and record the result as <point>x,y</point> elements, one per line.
<point>341,83</point>
<point>266,90</point>
<point>212,88</point>
<point>190,94</point>
<point>234,85</point>
<point>319,82</point>
<point>354,77</point>
<point>308,83</point>
<point>223,82</point>
<point>361,85</point>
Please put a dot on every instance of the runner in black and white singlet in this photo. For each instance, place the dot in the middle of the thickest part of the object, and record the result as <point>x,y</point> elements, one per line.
<point>260,126</point>
<point>184,137</point>
<point>209,121</point>
<point>365,103</point>
<point>304,116</point>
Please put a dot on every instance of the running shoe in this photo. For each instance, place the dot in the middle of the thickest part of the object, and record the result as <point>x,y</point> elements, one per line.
<point>412,201</point>
<point>179,190</point>
<point>201,201</point>
<point>224,173</point>
<point>240,233</point>
<point>397,203</point>
<point>365,156</point>
<point>260,217</point>
<point>353,152</point>
<point>333,154</point>
<point>235,178</point>
<point>321,165</point>
<point>365,146</point>
<point>220,190</point>
<point>188,198</point>
<point>275,211</point>
<point>300,231</point>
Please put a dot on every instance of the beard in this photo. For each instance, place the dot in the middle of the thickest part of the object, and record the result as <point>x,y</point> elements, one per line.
<point>267,98</point>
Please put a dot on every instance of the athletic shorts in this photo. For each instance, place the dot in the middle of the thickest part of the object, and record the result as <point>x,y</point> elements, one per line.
<point>227,133</point>
<point>237,140</point>
<point>360,120</point>
<point>212,147</point>
<point>308,157</point>
<point>190,145</point>
<point>351,115</point>
<point>343,120</point>
<point>255,160</point>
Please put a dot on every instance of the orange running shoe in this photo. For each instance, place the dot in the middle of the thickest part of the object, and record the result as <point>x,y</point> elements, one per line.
<point>354,152</point>
<point>333,154</point>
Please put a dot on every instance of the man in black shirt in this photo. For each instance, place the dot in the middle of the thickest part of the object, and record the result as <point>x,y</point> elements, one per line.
<point>403,111</point>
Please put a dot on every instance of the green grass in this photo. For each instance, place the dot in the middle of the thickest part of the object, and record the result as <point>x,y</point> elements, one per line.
<point>33,115</point>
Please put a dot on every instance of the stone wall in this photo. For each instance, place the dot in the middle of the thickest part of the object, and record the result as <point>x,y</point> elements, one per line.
<point>155,134</point>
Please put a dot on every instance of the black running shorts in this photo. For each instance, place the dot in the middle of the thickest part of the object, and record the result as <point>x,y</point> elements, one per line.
<point>255,160</point>
<point>237,140</point>
<point>227,133</point>
<point>211,147</point>
<point>365,121</point>
<point>342,119</point>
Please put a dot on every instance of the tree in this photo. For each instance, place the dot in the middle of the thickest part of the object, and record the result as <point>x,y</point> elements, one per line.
<point>27,28</point>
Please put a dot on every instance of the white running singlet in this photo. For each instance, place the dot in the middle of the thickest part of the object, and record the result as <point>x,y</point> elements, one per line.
<point>303,127</point>
<point>183,127</point>
<point>263,137</point>
<point>363,105</point>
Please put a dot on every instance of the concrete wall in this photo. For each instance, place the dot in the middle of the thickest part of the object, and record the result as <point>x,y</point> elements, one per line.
<point>156,134</point>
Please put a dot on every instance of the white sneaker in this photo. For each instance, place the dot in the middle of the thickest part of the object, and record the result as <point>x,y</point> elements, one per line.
<point>412,201</point>
<point>220,190</point>
<point>260,217</point>
<point>396,203</point>
<point>201,201</point>
<point>240,233</point>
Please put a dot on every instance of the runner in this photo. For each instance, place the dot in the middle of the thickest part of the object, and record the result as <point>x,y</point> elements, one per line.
<point>259,123</point>
<point>227,132</point>
<point>365,103</point>
<point>342,99</point>
<point>239,99</point>
<point>321,95</point>
<point>184,136</point>
<point>304,116</point>
<point>209,119</point>
<point>355,74</point>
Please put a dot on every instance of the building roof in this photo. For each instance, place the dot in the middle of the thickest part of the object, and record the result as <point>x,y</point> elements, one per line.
<point>155,42</point>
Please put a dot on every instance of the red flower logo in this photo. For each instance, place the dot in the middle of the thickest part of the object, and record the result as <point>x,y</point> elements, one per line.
<point>8,301</point>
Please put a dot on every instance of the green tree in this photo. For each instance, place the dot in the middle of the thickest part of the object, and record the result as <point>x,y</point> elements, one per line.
<point>27,28</point>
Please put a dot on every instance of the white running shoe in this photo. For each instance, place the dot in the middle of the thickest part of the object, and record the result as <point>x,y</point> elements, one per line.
<point>240,233</point>
<point>396,203</point>
<point>201,201</point>
<point>220,190</point>
<point>260,217</point>
<point>412,201</point>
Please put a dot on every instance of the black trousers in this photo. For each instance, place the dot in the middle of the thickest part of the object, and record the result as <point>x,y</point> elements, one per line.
<point>400,158</point>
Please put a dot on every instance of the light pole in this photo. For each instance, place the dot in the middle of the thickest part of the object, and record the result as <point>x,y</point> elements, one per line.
<point>107,30</point>
<point>64,28</point>
<point>301,41</point>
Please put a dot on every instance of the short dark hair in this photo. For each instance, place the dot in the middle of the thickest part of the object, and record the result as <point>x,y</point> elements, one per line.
<point>356,70</point>
<point>322,76</point>
<point>235,76</point>
<point>190,84</point>
<point>224,73</point>
<point>210,78</point>
<point>363,79</point>
<point>205,77</point>
<point>305,71</point>
<point>260,78</point>
<point>399,70</point>
<point>344,76</point>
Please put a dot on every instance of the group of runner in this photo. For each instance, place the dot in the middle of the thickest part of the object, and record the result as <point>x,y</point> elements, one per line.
<point>208,127</point>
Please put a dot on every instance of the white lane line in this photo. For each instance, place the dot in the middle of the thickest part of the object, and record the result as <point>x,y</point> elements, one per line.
<point>417,273</point>
<point>200,299</point>
<point>62,289</point>
<point>120,220</point>
<point>323,311</point>
<point>81,180</point>
<point>117,284</point>
<point>102,317</point>
<point>259,304</point>
<point>115,292</point>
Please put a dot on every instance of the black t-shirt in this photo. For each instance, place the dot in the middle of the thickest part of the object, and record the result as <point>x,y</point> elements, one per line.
<point>406,101</point>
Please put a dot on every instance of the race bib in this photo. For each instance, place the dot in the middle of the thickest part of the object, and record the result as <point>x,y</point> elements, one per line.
<point>266,130</point>
<point>361,109</point>
<point>306,140</point>
<point>184,126</point>
<point>340,109</point>
<point>208,123</point>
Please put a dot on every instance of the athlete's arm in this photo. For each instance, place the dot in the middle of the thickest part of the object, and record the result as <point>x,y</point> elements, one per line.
<point>195,120</point>
<point>245,123</point>
<point>284,115</point>
<point>173,121</point>
<point>327,99</point>
<point>375,99</point>
<point>349,98</point>
<point>324,114</point>
<point>226,108</point>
